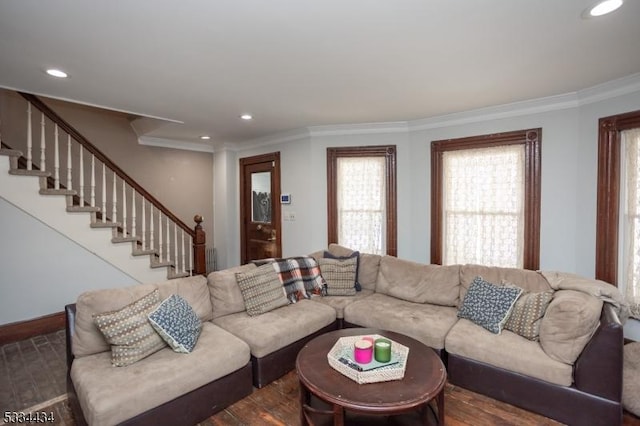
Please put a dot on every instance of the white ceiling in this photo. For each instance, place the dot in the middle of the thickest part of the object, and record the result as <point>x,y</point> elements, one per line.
<point>300,63</point>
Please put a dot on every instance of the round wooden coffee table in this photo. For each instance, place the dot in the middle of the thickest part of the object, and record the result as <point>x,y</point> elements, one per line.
<point>424,380</point>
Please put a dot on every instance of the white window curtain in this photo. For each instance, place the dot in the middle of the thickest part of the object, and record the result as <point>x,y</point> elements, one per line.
<point>631,219</point>
<point>483,201</point>
<point>361,203</point>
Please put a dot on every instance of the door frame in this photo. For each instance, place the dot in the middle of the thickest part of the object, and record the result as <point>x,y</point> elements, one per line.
<point>245,210</point>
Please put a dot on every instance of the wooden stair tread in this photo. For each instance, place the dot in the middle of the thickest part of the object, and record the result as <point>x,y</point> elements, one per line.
<point>25,172</point>
<point>53,191</point>
<point>105,224</point>
<point>82,209</point>
<point>10,152</point>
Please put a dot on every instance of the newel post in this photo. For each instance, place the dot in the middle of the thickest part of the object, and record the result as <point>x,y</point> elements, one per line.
<point>199,245</point>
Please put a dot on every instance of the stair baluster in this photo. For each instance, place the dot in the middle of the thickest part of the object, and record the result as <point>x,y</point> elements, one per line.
<point>93,181</point>
<point>160,241</point>
<point>43,164</point>
<point>175,247</point>
<point>81,176</point>
<point>114,200</point>
<point>144,225</point>
<point>133,212</point>
<point>104,193</point>
<point>191,256</point>
<point>69,164</point>
<point>56,160</point>
<point>151,233</point>
<point>168,243</point>
<point>184,249</point>
<point>29,138</point>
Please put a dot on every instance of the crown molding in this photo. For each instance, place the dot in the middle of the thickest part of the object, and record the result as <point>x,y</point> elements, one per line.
<point>498,112</point>
<point>610,89</point>
<point>600,92</point>
<point>360,129</point>
<point>175,144</point>
<point>275,139</point>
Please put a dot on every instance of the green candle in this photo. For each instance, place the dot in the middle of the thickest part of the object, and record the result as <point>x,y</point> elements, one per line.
<point>382,350</point>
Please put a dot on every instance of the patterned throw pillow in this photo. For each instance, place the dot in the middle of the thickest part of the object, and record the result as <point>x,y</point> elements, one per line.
<point>527,314</point>
<point>177,323</point>
<point>488,305</point>
<point>261,290</point>
<point>340,275</point>
<point>129,332</point>
<point>356,254</point>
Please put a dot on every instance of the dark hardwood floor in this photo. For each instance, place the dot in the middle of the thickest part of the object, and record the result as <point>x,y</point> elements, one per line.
<point>32,378</point>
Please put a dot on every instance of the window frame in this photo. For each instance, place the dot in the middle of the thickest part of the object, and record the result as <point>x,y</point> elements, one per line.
<point>608,192</point>
<point>531,139</point>
<point>389,153</point>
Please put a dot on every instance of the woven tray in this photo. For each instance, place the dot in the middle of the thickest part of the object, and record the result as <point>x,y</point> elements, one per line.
<point>343,348</point>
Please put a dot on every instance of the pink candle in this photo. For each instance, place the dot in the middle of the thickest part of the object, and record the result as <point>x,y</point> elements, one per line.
<point>363,351</point>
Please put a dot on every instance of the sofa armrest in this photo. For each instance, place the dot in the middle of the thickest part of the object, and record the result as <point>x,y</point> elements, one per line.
<point>598,369</point>
<point>70,328</point>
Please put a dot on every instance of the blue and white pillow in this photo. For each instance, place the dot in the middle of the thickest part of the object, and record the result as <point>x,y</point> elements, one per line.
<point>489,305</point>
<point>177,323</point>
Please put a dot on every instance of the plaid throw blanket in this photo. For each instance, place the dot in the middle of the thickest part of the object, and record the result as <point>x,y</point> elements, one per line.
<point>300,276</point>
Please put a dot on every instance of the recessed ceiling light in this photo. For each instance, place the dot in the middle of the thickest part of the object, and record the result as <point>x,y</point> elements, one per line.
<point>602,8</point>
<point>246,117</point>
<point>205,137</point>
<point>57,73</point>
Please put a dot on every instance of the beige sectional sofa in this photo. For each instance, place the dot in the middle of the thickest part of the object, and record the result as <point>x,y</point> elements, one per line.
<point>573,373</point>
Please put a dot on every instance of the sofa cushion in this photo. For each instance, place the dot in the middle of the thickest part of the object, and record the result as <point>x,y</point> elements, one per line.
<point>110,395</point>
<point>261,289</point>
<point>280,327</point>
<point>506,350</point>
<point>193,290</point>
<point>488,305</point>
<point>631,378</point>
<point>129,331</point>
<point>226,297</point>
<point>177,323</point>
<point>527,314</point>
<point>88,340</point>
<point>531,281</point>
<point>368,266</point>
<point>568,324</point>
<point>340,302</point>
<point>419,283</point>
<point>339,275</point>
<point>424,322</point>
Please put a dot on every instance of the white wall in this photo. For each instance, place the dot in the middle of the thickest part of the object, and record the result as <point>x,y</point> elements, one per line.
<point>569,172</point>
<point>42,270</point>
<point>226,201</point>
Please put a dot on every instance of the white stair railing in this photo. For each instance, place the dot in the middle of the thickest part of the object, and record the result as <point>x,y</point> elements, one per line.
<point>116,210</point>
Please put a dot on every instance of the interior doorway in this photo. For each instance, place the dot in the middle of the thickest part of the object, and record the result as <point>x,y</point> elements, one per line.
<point>260,229</point>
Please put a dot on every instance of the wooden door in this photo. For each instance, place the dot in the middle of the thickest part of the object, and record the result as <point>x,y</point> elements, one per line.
<point>260,207</point>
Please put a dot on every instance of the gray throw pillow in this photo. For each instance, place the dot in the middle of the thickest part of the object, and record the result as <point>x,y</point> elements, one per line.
<point>488,305</point>
<point>177,323</point>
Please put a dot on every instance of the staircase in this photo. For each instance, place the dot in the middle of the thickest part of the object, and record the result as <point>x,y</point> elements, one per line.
<point>94,203</point>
